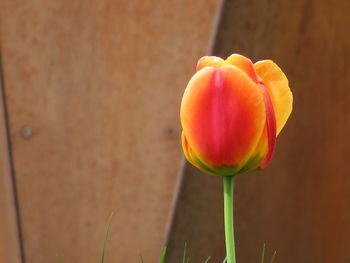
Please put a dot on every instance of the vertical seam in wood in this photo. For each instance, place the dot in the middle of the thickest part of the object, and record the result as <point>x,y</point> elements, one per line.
<point>215,29</point>
<point>178,187</point>
<point>7,145</point>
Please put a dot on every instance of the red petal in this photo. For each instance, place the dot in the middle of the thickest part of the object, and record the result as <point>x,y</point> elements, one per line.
<point>223,115</point>
<point>270,125</point>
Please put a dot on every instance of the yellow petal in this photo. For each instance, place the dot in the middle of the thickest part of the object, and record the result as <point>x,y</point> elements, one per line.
<point>276,83</point>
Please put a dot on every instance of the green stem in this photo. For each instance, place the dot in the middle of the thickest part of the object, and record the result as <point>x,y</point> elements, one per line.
<point>228,215</point>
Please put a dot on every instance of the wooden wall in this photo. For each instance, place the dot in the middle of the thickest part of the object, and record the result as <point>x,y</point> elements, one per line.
<point>10,243</point>
<point>92,91</point>
<point>89,125</point>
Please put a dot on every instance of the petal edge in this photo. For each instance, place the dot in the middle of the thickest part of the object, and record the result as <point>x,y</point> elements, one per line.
<point>277,86</point>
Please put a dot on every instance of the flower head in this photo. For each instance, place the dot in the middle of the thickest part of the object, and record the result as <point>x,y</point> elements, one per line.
<point>231,113</point>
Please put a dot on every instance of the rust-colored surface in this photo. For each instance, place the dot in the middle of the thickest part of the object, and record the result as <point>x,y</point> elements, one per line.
<point>198,220</point>
<point>98,83</point>
<point>10,250</point>
<point>300,204</point>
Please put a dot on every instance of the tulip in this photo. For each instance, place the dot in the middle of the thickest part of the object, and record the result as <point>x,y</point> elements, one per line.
<point>231,113</point>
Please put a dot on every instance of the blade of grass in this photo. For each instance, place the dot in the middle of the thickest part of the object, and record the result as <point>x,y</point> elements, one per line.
<point>225,260</point>
<point>185,254</point>
<point>273,256</point>
<point>141,259</point>
<point>162,260</point>
<point>106,238</point>
<point>207,260</point>
<point>263,254</point>
<point>58,259</point>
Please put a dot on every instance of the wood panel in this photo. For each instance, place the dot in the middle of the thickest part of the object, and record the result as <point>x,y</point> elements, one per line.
<point>10,250</point>
<point>300,204</point>
<point>93,91</point>
<point>198,221</point>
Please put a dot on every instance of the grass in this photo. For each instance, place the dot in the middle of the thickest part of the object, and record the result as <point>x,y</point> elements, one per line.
<point>185,257</point>
<point>106,238</point>
<point>263,255</point>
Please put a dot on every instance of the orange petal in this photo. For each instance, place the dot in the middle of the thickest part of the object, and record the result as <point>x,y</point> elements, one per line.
<point>244,64</point>
<point>209,61</point>
<point>188,151</point>
<point>259,154</point>
<point>276,83</point>
<point>264,150</point>
<point>223,115</point>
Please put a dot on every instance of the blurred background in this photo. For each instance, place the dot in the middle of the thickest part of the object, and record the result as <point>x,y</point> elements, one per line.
<point>89,125</point>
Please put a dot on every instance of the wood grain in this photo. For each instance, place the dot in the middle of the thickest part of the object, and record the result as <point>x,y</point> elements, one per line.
<point>10,248</point>
<point>99,84</point>
<point>300,204</point>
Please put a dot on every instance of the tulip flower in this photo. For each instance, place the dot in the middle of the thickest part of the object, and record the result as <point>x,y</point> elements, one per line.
<point>231,113</point>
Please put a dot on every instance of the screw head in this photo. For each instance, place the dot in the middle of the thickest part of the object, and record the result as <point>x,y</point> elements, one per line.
<point>27,132</point>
